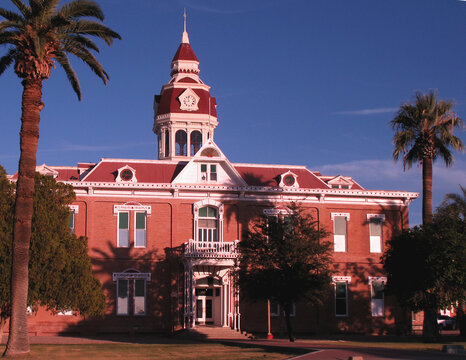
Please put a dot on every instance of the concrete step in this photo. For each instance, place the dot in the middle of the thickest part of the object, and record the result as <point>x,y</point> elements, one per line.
<point>207,332</point>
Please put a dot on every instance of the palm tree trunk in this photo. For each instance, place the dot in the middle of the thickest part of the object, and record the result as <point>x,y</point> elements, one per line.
<point>426,190</point>
<point>18,341</point>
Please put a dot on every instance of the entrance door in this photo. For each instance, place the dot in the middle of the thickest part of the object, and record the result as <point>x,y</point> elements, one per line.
<point>204,306</point>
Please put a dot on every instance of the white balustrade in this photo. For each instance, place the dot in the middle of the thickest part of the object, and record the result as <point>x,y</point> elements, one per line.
<point>210,249</point>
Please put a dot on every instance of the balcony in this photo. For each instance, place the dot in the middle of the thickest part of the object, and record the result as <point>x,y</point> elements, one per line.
<point>210,250</point>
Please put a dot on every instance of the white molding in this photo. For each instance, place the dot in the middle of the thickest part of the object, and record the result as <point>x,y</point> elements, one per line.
<point>74,208</point>
<point>276,211</point>
<point>346,215</point>
<point>376,216</point>
<point>132,207</point>
<point>346,279</point>
<point>128,275</point>
<point>371,279</point>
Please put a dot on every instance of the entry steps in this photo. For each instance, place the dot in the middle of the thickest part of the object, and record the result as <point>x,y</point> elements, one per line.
<point>209,332</point>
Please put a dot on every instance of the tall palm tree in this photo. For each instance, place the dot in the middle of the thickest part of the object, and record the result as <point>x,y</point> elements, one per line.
<point>424,132</point>
<point>41,34</point>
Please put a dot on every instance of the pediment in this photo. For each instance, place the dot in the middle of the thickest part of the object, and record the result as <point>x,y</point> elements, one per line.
<point>341,182</point>
<point>209,167</point>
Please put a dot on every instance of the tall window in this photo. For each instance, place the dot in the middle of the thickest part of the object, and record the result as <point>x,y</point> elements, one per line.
<point>72,221</point>
<point>196,142</point>
<point>140,237</point>
<point>340,231</point>
<point>181,142</point>
<point>275,308</point>
<point>123,229</point>
<point>375,232</point>
<point>207,224</point>
<point>341,298</point>
<point>131,294</point>
<point>377,296</point>
<point>123,297</point>
<point>167,143</point>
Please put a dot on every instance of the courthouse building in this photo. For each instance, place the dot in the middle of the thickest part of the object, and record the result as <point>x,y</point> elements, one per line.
<point>163,233</point>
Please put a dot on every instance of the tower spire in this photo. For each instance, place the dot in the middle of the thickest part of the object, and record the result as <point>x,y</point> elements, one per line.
<point>185,37</point>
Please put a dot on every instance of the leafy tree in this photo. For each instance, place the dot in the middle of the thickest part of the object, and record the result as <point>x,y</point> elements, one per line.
<point>60,270</point>
<point>285,259</point>
<point>41,34</point>
<point>454,207</point>
<point>424,132</point>
<point>426,268</point>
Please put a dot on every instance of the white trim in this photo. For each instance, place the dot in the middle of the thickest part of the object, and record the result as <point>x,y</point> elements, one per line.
<point>346,215</point>
<point>371,279</point>
<point>376,216</point>
<point>135,207</point>
<point>74,208</point>
<point>338,278</point>
<point>276,211</point>
<point>126,167</point>
<point>130,275</point>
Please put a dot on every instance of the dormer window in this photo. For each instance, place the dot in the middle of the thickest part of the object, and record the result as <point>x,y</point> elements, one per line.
<point>340,182</point>
<point>208,172</point>
<point>289,180</point>
<point>126,174</point>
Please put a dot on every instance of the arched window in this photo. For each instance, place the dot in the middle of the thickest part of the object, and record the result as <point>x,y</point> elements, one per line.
<point>208,224</point>
<point>196,142</point>
<point>181,142</point>
<point>167,143</point>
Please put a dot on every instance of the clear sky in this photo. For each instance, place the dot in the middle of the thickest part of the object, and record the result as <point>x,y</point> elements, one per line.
<point>305,82</point>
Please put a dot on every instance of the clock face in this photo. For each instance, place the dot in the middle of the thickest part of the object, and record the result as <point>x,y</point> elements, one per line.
<point>189,101</point>
<point>288,180</point>
<point>126,175</point>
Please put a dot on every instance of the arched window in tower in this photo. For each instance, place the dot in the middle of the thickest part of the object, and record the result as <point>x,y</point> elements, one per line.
<point>196,142</point>
<point>207,227</point>
<point>181,142</point>
<point>167,143</point>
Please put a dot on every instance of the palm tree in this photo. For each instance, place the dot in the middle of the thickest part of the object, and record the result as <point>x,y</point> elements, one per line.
<point>41,34</point>
<point>424,132</point>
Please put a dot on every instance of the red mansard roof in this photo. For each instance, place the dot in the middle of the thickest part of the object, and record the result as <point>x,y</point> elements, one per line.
<point>185,52</point>
<point>164,172</point>
<point>169,102</point>
<point>269,175</point>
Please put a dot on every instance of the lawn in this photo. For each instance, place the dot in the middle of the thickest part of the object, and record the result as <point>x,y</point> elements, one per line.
<point>150,351</point>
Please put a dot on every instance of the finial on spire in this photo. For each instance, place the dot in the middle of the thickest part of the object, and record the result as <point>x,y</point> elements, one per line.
<point>184,37</point>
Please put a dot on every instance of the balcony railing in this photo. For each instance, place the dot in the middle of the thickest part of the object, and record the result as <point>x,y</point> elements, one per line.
<point>210,250</point>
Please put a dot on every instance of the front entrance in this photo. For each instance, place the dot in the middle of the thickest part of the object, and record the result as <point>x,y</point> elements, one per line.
<point>204,306</point>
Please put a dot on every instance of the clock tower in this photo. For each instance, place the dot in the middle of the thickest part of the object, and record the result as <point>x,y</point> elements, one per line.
<point>185,114</point>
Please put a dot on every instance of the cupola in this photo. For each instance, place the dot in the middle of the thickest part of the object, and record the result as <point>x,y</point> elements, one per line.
<point>185,114</point>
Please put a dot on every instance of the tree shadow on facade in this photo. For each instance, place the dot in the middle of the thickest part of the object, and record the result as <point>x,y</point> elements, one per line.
<point>161,294</point>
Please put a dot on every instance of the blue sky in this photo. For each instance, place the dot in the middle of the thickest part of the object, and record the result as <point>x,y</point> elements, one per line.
<point>306,82</point>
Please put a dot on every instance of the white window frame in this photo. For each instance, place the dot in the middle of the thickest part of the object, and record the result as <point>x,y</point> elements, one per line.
<point>220,209</point>
<point>74,209</point>
<point>339,280</point>
<point>136,229</point>
<point>207,176</point>
<point>144,298</point>
<point>340,242</point>
<point>376,241</point>
<point>128,230</point>
<point>126,313</point>
<point>131,276</point>
<point>377,305</point>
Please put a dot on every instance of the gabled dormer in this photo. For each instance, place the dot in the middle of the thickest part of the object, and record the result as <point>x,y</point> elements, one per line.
<point>126,174</point>
<point>210,167</point>
<point>340,182</point>
<point>45,170</point>
<point>289,180</point>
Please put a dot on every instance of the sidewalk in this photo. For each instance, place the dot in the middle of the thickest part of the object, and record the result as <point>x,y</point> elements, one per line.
<point>310,349</point>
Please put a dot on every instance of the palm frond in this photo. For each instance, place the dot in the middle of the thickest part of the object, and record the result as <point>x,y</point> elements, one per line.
<point>86,56</point>
<point>7,60</point>
<point>92,28</point>
<point>79,8</point>
<point>63,60</point>
<point>8,24</point>
<point>22,7</point>
<point>9,37</point>
<point>11,16</point>
<point>82,41</point>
